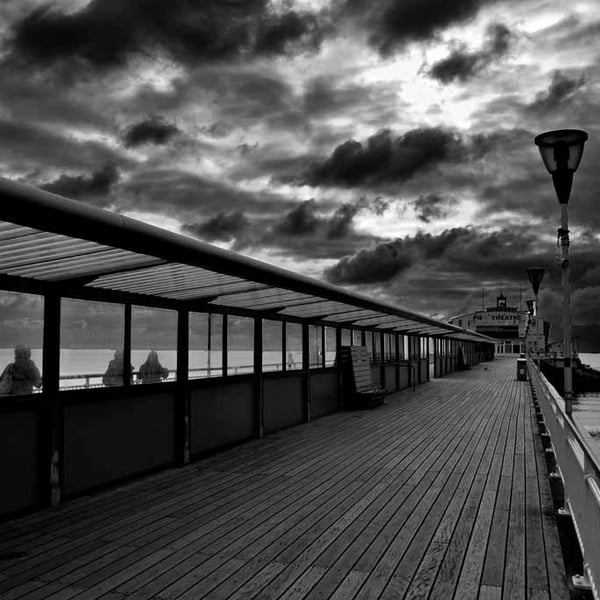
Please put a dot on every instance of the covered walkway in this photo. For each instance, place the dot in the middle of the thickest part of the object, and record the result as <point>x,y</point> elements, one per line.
<point>441,493</point>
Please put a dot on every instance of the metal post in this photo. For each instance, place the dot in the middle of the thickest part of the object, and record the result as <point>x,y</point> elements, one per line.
<point>563,234</point>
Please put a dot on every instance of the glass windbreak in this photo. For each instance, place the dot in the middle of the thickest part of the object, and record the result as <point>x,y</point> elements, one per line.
<point>346,337</point>
<point>293,346</point>
<point>315,346</point>
<point>240,345</point>
<point>91,344</point>
<point>377,346</point>
<point>369,343</point>
<point>330,346</point>
<point>389,346</point>
<point>21,332</point>
<point>153,344</point>
<point>272,356</point>
<point>205,345</point>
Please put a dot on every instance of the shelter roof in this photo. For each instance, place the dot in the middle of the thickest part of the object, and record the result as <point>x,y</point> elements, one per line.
<point>60,245</point>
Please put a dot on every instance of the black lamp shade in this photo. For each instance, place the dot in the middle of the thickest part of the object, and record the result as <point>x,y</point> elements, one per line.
<point>535,274</point>
<point>562,149</point>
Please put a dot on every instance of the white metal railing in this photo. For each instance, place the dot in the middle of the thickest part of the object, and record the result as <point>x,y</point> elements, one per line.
<point>580,472</point>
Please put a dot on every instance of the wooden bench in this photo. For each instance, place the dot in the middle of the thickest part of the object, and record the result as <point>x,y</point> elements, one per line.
<point>359,390</point>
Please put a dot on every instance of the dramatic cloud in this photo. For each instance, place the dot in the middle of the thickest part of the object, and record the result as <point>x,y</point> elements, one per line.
<point>462,64</point>
<point>154,130</point>
<point>385,159</point>
<point>454,250</point>
<point>430,207</point>
<point>99,183</point>
<point>28,147</point>
<point>106,33</point>
<point>384,262</point>
<point>300,220</point>
<point>561,90</point>
<point>223,226</point>
<point>393,23</point>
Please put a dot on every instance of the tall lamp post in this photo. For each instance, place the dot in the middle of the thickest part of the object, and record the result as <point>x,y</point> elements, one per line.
<point>561,152</point>
<point>536,275</point>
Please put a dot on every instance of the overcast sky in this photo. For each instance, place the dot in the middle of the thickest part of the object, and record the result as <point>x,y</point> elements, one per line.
<point>386,146</point>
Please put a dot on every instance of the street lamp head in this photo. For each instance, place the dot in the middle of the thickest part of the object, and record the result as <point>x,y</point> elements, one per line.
<point>535,275</point>
<point>561,151</point>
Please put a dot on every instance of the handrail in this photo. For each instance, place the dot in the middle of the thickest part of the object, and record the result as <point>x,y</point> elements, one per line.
<point>580,471</point>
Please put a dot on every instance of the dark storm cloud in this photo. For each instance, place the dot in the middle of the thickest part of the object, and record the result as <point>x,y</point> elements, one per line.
<point>429,207</point>
<point>382,263</point>
<point>462,64</point>
<point>561,90</point>
<point>393,23</point>
<point>154,130</point>
<point>189,197</point>
<point>105,33</point>
<point>305,231</point>
<point>98,184</point>
<point>454,250</point>
<point>28,147</point>
<point>385,159</point>
<point>223,226</point>
<point>300,220</point>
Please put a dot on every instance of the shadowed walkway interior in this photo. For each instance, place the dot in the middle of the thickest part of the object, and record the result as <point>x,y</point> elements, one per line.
<point>440,493</point>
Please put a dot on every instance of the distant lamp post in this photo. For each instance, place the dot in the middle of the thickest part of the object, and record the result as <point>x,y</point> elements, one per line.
<point>535,276</point>
<point>561,152</point>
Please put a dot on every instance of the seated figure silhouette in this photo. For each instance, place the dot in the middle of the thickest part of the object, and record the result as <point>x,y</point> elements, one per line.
<point>21,376</point>
<point>152,371</point>
<point>115,371</point>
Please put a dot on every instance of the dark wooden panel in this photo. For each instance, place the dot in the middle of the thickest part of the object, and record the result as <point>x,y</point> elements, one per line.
<point>19,454</point>
<point>221,413</point>
<point>390,378</point>
<point>111,439</point>
<point>324,394</point>
<point>283,402</point>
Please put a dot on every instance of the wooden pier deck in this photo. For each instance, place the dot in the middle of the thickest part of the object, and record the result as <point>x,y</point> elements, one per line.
<point>441,493</point>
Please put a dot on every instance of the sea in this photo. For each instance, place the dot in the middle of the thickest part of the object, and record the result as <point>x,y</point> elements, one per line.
<point>592,359</point>
<point>85,367</point>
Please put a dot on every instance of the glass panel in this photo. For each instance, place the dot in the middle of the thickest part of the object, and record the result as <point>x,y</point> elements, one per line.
<point>391,345</point>
<point>215,348</point>
<point>356,337</point>
<point>153,344</point>
<point>91,344</point>
<point>293,346</point>
<point>405,346</point>
<point>330,347</point>
<point>377,346</point>
<point>346,337</point>
<point>272,358</point>
<point>240,345</point>
<point>369,343</point>
<point>198,345</point>
<point>315,346</point>
<point>22,333</point>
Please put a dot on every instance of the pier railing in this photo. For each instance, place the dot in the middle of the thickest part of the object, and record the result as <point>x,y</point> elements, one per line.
<point>579,470</point>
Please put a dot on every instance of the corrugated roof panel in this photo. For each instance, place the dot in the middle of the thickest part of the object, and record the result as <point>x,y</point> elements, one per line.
<point>168,270</point>
<point>214,290</point>
<point>10,231</point>
<point>271,295</point>
<point>164,280</point>
<point>354,314</point>
<point>384,318</point>
<point>84,265</point>
<point>324,307</point>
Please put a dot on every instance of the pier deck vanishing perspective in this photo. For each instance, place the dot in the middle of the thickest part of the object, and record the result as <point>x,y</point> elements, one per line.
<point>440,493</point>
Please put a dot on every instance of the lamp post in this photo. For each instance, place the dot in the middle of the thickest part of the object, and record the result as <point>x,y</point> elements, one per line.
<point>561,151</point>
<point>536,275</point>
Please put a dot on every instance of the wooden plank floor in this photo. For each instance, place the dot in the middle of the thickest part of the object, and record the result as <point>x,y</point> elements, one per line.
<point>439,494</point>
